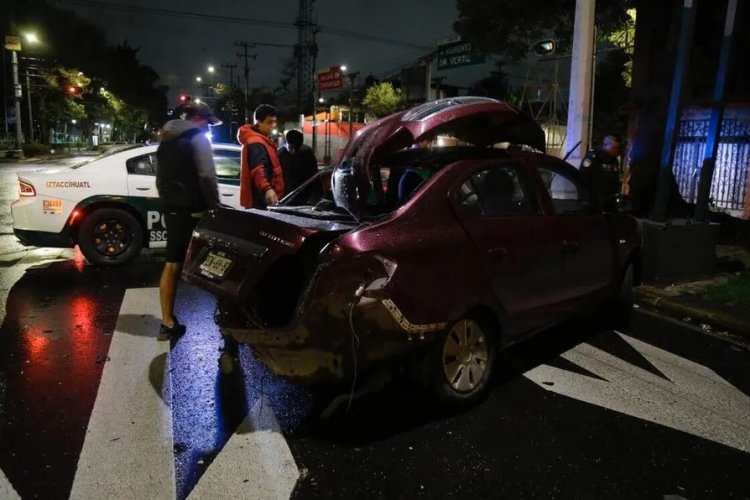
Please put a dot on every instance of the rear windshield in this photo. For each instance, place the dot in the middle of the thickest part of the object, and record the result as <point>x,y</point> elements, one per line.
<point>390,183</point>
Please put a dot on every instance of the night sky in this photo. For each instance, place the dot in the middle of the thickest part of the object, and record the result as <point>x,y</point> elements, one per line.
<point>180,48</point>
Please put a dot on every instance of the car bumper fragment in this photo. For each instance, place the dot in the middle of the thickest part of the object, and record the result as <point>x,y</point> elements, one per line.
<point>29,237</point>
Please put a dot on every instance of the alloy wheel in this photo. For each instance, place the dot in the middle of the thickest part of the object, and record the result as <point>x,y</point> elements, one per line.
<point>111,237</point>
<point>465,356</point>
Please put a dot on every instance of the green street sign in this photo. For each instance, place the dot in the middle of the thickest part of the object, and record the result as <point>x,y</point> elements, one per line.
<point>457,54</point>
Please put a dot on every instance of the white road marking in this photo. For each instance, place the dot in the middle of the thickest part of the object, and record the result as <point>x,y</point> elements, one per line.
<point>6,489</point>
<point>255,463</point>
<point>694,400</point>
<point>128,451</point>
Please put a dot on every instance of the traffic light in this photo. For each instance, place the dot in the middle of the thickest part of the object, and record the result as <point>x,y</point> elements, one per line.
<point>74,90</point>
<point>185,99</point>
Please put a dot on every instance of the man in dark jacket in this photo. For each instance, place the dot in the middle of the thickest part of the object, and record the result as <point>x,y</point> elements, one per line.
<point>297,161</point>
<point>601,167</point>
<point>261,177</point>
<point>186,181</point>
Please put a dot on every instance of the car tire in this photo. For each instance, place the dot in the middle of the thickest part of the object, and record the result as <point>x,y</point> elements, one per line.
<point>110,237</point>
<point>457,367</point>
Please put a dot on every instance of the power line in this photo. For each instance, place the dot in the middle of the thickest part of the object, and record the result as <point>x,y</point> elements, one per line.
<point>242,20</point>
<point>183,13</point>
<point>362,36</point>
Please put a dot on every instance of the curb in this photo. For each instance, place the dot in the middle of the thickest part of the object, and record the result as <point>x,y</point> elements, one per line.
<point>732,318</point>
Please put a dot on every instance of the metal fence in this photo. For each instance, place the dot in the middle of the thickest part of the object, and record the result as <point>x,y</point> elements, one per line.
<point>729,186</point>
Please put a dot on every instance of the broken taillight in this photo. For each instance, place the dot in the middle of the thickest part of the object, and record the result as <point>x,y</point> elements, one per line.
<point>26,189</point>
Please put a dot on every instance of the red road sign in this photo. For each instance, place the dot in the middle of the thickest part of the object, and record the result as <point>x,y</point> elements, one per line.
<point>331,79</point>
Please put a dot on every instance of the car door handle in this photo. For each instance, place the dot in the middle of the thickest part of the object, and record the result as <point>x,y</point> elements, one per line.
<point>227,194</point>
<point>570,247</point>
<point>498,254</point>
<point>143,189</point>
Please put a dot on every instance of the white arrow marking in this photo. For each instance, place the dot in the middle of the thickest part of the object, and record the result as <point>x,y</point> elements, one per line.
<point>6,489</point>
<point>255,463</point>
<point>128,451</point>
<point>695,400</point>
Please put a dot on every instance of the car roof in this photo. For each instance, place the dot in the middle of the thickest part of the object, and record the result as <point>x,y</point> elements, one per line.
<point>139,149</point>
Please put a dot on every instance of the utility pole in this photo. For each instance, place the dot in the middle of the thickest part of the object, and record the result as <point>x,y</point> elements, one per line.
<point>17,94</point>
<point>438,81</point>
<point>230,67</point>
<point>5,100</point>
<point>427,77</point>
<point>28,99</point>
<point>579,107</point>
<point>352,78</point>
<point>246,56</point>
<point>306,51</point>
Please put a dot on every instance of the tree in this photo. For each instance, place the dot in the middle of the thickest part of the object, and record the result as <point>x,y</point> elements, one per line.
<point>60,98</point>
<point>133,82</point>
<point>510,27</point>
<point>70,42</point>
<point>382,99</point>
<point>494,85</point>
<point>656,38</point>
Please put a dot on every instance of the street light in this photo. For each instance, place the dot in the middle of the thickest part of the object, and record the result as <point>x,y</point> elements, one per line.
<point>14,45</point>
<point>31,37</point>
<point>211,69</point>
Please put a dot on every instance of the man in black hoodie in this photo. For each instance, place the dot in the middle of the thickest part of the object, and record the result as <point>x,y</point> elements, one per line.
<point>186,181</point>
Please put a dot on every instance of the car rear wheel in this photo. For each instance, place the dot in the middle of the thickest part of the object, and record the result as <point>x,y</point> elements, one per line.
<point>458,366</point>
<point>110,237</point>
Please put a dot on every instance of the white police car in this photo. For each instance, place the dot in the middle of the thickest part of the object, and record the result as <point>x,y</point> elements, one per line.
<point>107,206</point>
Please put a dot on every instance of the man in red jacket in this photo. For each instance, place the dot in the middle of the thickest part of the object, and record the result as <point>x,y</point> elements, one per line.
<point>261,176</point>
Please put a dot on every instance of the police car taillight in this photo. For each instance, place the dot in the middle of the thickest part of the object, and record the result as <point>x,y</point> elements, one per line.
<point>26,189</point>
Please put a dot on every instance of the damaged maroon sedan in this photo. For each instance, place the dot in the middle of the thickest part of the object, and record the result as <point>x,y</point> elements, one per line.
<point>445,235</point>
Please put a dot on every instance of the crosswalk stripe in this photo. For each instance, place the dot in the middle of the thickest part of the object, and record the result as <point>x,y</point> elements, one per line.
<point>256,462</point>
<point>128,450</point>
<point>6,489</point>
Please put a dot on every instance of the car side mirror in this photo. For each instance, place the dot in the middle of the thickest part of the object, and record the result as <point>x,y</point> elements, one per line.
<point>619,203</point>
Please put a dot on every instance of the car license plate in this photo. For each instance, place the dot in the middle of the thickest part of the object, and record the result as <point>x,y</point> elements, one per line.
<point>215,264</point>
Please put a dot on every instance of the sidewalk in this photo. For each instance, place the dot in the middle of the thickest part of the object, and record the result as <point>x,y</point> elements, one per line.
<point>684,301</point>
<point>62,155</point>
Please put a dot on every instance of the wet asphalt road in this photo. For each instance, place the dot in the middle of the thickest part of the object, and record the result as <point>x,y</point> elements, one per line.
<point>62,319</point>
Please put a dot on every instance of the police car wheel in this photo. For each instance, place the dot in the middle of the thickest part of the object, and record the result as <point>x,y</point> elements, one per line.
<point>110,237</point>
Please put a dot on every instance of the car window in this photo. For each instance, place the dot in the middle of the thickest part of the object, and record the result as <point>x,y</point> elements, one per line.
<point>142,165</point>
<point>568,195</point>
<point>496,191</point>
<point>227,164</point>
